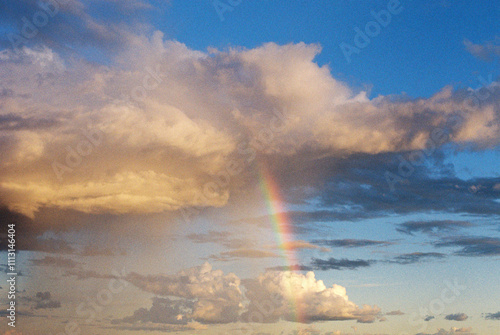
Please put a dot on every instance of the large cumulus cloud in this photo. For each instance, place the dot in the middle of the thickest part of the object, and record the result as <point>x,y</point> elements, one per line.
<point>294,296</point>
<point>153,130</point>
<point>204,295</point>
<point>214,297</point>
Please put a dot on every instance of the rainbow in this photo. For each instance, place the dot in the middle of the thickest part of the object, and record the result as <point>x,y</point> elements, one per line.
<point>281,225</point>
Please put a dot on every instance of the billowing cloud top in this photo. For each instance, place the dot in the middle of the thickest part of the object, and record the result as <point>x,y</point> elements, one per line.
<point>295,296</point>
<point>163,125</point>
<point>218,296</point>
<point>210,296</point>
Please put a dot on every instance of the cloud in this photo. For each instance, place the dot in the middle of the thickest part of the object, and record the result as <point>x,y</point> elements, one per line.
<point>456,317</point>
<point>492,316</point>
<point>243,253</point>
<point>293,267</point>
<point>429,318</point>
<point>59,262</point>
<point>292,296</point>
<point>159,327</point>
<point>217,296</point>
<point>398,312</point>
<point>300,245</point>
<point>71,28</point>
<point>351,243</point>
<point>5,268</point>
<point>105,140</point>
<point>472,246</point>
<point>340,264</point>
<point>12,332</point>
<point>359,189</point>
<point>204,295</point>
<point>31,235</point>
<point>416,257</point>
<point>486,52</point>
<point>431,227</point>
<point>43,300</point>
<point>222,238</point>
<point>453,330</point>
<point>89,250</point>
<point>87,274</point>
<point>164,310</point>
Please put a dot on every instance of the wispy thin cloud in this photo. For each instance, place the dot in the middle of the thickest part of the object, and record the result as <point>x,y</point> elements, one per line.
<point>340,264</point>
<point>472,246</point>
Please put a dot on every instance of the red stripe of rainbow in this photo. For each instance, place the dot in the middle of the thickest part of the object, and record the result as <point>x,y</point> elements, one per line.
<point>281,225</point>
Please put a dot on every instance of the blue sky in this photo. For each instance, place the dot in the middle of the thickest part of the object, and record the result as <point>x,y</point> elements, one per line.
<point>140,141</point>
<point>419,52</point>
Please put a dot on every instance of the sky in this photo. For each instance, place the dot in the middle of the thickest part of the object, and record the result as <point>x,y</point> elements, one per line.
<point>250,167</point>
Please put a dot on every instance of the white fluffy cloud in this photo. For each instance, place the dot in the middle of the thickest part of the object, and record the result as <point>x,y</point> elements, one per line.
<point>293,296</point>
<point>155,129</point>
<point>216,297</point>
<point>213,297</point>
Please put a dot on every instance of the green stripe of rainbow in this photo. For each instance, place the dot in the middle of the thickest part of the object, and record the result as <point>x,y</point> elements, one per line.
<point>281,225</point>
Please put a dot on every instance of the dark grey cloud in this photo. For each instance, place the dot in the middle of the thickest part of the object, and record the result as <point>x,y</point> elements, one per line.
<point>295,267</point>
<point>431,227</point>
<point>456,317</point>
<point>424,194</point>
<point>351,243</point>
<point>416,257</point>
<point>348,264</point>
<point>163,310</point>
<point>15,122</point>
<point>305,221</point>
<point>42,300</point>
<point>73,25</point>
<point>429,318</point>
<point>217,296</point>
<point>324,215</point>
<point>492,316</point>
<point>158,327</point>
<point>340,264</point>
<point>472,245</point>
<point>5,312</point>
<point>357,189</point>
<point>5,268</point>
<point>29,235</point>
